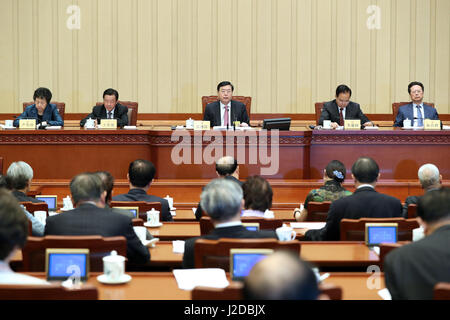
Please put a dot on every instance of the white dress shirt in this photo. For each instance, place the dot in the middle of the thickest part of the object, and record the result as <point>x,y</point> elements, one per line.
<point>7,276</point>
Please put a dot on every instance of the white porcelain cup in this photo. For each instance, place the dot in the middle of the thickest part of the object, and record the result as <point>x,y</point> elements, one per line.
<point>286,233</point>
<point>153,217</point>
<point>141,232</point>
<point>9,123</point>
<point>190,123</point>
<point>327,124</point>
<point>41,216</point>
<point>269,214</point>
<point>418,234</point>
<point>407,123</point>
<point>113,266</point>
<point>170,200</point>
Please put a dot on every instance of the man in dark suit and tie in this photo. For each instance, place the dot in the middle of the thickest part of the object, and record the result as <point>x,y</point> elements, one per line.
<point>91,218</point>
<point>412,271</point>
<point>365,202</point>
<point>110,109</point>
<point>416,111</point>
<point>222,201</point>
<point>342,108</point>
<point>226,111</point>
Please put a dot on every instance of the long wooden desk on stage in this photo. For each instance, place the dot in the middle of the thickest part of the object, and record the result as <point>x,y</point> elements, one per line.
<point>61,154</point>
<point>163,286</point>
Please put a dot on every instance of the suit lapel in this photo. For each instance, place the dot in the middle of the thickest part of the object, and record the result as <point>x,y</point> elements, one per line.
<point>217,118</point>
<point>233,112</point>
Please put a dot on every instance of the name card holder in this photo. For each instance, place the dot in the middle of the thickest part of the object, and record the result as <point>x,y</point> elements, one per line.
<point>429,124</point>
<point>352,125</point>
<point>237,124</point>
<point>27,124</point>
<point>198,125</point>
<point>109,124</point>
<point>206,125</point>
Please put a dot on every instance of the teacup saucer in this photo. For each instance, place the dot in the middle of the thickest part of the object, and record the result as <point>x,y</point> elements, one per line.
<point>123,279</point>
<point>153,225</point>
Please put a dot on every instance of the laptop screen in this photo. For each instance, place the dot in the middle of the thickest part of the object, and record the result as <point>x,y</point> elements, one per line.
<point>243,260</point>
<point>63,263</point>
<point>50,200</point>
<point>376,234</point>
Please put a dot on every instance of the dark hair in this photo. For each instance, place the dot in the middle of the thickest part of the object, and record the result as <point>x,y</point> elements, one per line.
<point>415,83</point>
<point>108,183</point>
<point>257,193</point>
<point>223,84</point>
<point>226,169</point>
<point>343,89</point>
<point>111,92</point>
<point>86,187</point>
<point>42,93</point>
<point>13,224</point>
<point>4,182</point>
<point>336,170</point>
<point>434,205</point>
<point>365,170</point>
<point>141,173</point>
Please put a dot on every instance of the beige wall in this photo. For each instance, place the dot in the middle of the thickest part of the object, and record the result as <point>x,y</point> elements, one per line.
<point>166,54</point>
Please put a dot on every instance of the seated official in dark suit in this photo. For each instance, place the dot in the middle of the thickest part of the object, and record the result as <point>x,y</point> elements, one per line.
<point>225,111</point>
<point>342,108</point>
<point>222,201</point>
<point>20,175</point>
<point>281,276</point>
<point>228,168</point>
<point>110,109</point>
<point>140,176</point>
<point>412,271</point>
<point>91,218</point>
<point>365,202</point>
<point>430,180</point>
<point>416,111</point>
<point>42,110</point>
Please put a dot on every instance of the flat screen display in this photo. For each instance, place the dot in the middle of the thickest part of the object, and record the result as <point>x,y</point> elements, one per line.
<point>50,200</point>
<point>381,234</point>
<point>62,265</point>
<point>243,262</point>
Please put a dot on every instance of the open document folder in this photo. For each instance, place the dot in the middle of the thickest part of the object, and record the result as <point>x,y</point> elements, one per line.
<point>188,279</point>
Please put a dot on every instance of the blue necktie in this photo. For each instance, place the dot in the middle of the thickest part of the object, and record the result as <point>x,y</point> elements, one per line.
<point>419,117</point>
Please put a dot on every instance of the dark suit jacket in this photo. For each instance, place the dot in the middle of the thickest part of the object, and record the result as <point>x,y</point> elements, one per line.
<point>236,232</point>
<point>412,271</point>
<point>87,219</point>
<point>238,113</point>
<point>99,112</point>
<point>141,195</point>
<point>22,197</point>
<point>353,111</point>
<point>51,115</point>
<point>199,211</point>
<point>363,203</point>
<point>407,112</point>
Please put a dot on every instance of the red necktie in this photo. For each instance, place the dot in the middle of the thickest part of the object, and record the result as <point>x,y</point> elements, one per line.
<point>225,117</point>
<point>341,117</point>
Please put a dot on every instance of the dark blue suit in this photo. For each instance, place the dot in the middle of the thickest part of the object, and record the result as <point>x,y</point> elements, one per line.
<point>407,112</point>
<point>51,115</point>
<point>238,113</point>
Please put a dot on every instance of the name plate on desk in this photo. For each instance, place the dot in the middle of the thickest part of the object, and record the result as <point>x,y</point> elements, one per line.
<point>109,123</point>
<point>431,124</point>
<point>237,123</point>
<point>352,124</point>
<point>27,124</point>
<point>201,125</point>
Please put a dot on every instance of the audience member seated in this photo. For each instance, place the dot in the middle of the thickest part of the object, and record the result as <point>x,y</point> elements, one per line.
<point>257,196</point>
<point>108,185</point>
<point>222,201</point>
<point>13,235</point>
<point>228,168</point>
<point>20,175</point>
<point>91,218</point>
<point>140,176</point>
<point>430,180</point>
<point>36,226</point>
<point>333,176</point>
<point>364,203</point>
<point>412,271</point>
<point>295,280</point>
<point>42,110</point>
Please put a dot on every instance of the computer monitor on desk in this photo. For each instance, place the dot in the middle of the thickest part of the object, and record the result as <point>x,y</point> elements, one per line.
<point>278,123</point>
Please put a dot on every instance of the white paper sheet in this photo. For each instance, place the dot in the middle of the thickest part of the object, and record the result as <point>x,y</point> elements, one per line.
<point>188,279</point>
<point>178,246</point>
<point>385,294</point>
<point>308,225</point>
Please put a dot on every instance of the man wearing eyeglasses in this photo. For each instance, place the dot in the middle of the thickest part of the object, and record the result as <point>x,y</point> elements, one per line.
<point>416,111</point>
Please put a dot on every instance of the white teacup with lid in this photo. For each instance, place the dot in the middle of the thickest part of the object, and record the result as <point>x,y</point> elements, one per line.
<point>170,201</point>
<point>153,217</point>
<point>113,267</point>
<point>286,233</point>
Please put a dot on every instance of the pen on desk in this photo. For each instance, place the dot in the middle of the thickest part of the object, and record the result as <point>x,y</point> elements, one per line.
<point>324,276</point>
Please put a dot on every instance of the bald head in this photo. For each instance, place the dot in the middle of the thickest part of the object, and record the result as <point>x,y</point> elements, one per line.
<point>281,276</point>
<point>226,166</point>
<point>429,176</point>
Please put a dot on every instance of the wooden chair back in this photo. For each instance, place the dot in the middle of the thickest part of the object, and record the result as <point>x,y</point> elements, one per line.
<point>247,101</point>
<point>33,252</point>
<point>132,110</point>
<point>412,211</point>
<point>138,222</point>
<point>143,207</point>
<point>61,106</point>
<point>354,230</point>
<point>318,211</point>
<point>397,105</point>
<point>206,226</point>
<point>53,291</point>
<point>318,106</point>
<point>216,253</point>
<point>35,206</point>
<point>441,291</point>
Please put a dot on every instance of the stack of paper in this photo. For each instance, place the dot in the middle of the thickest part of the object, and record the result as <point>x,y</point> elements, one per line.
<point>188,279</point>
